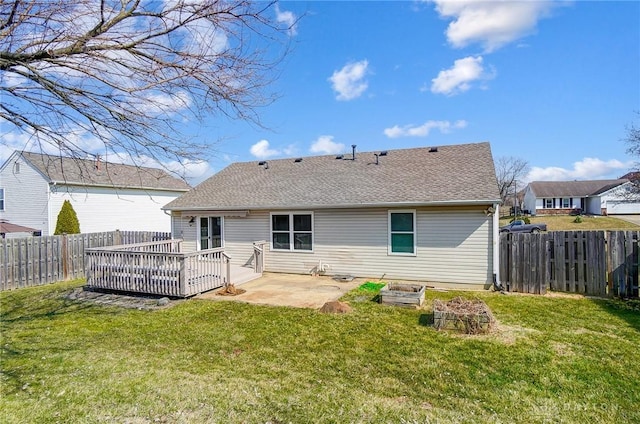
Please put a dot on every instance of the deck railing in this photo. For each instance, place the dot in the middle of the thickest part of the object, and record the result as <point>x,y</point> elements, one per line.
<point>157,268</point>
<point>258,256</point>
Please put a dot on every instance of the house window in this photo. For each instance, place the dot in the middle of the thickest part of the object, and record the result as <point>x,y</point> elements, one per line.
<point>210,232</point>
<point>1,199</point>
<point>292,231</point>
<point>16,168</point>
<point>548,203</point>
<point>566,203</point>
<point>402,232</point>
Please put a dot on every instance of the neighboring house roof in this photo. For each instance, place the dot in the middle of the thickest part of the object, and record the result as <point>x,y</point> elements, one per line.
<point>631,176</point>
<point>6,227</point>
<point>66,170</point>
<point>456,174</point>
<point>573,188</point>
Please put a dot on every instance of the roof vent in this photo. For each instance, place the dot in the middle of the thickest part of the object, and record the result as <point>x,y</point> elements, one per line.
<point>264,163</point>
<point>433,149</point>
<point>340,157</point>
<point>298,160</point>
<point>353,149</point>
<point>377,155</point>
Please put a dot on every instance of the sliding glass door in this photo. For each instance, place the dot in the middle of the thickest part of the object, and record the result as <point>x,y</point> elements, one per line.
<point>210,232</point>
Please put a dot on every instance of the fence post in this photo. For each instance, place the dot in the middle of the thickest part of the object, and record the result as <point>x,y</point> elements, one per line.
<point>64,257</point>
<point>117,238</point>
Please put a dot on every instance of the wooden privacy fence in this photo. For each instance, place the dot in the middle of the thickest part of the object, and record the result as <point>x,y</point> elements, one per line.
<point>33,261</point>
<point>598,263</point>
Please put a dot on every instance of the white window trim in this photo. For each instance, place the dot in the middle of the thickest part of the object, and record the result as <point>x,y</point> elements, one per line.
<point>4,192</point>
<point>198,242</point>
<point>291,243</point>
<point>414,232</point>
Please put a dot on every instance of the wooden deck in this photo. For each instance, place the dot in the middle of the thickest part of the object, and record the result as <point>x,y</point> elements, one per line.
<point>243,274</point>
<point>161,268</point>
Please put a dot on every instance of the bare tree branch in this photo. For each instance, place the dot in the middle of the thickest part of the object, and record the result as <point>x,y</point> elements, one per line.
<point>126,72</point>
<point>510,171</point>
<point>632,141</point>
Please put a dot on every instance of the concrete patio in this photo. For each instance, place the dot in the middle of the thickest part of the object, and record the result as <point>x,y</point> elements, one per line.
<point>300,291</point>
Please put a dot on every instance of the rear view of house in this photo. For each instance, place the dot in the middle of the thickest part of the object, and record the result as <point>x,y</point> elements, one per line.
<point>106,196</point>
<point>417,214</point>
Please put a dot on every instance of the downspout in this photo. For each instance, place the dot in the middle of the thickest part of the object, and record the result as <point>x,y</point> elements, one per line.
<point>497,284</point>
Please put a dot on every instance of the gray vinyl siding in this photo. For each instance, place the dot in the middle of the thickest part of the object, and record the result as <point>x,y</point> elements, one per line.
<point>453,246</point>
<point>181,229</point>
<point>240,233</point>
<point>26,196</point>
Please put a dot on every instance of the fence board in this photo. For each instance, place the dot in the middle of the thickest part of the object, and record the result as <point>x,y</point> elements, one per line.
<point>33,261</point>
<point>594,263</point>
<point>570,262</point>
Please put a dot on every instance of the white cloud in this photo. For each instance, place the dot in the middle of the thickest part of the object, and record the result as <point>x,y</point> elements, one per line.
<point>325,144</point>
<point>194,172</point>
<point>423,130</point>
<point>290,150</point>
<point>349,81</point>
<point>458,78</point>
<point>161,103</point>
<point>586,169</point>
<point>261,150</point>
<point>492,24</point>
<point>288,18</point>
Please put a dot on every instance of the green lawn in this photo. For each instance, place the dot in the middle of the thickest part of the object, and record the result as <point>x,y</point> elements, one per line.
<point>566,223</point>
<point>553,359</point>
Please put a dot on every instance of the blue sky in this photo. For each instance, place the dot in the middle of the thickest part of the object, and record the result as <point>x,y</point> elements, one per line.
<point>554,83</point>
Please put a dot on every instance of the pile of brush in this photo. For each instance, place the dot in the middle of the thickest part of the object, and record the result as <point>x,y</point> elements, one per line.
<point>230,290</point>
<point>471,316</point>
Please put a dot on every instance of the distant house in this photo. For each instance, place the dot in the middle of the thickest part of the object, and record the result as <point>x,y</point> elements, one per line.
<point>595,197</point>
<point>106,196</point>
<point>416,214</point>
<point>8,230</point>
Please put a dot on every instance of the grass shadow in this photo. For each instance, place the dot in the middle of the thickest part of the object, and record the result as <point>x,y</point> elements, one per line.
<point>15,307</point>
<point>426,320</point>
<point>626,309</point>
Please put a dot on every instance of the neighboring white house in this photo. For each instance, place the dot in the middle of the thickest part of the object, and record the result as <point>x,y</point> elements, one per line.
<point>595,197</point>
<point>423,214</point>
<point>106,196</point>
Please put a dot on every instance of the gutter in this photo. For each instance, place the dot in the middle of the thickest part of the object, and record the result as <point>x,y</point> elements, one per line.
<point>118,187</point>
<point>340,206</point>
<point>497,284</point>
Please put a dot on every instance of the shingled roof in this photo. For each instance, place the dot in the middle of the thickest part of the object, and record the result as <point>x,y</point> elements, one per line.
<point>573,188</point>
<point>7,227</point>
<point>74,171</point>
<point>456,174</point>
